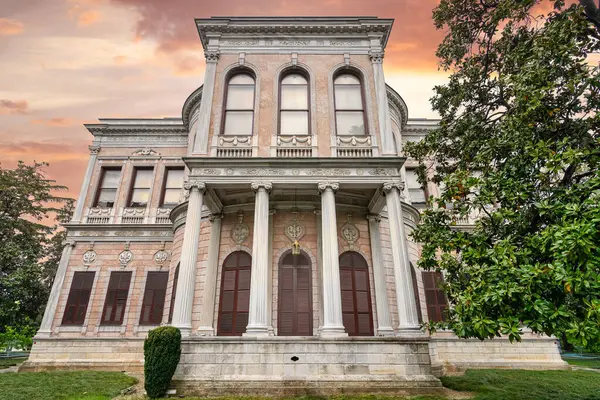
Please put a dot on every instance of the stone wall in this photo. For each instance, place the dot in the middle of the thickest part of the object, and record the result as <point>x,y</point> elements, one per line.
<point>267,366</point>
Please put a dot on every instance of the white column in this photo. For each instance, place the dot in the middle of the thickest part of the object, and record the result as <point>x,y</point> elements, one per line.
<point>383,112</point>
<point>407,305</point>
<point>77,214</point>
<point>202,128</point>
<point>184,298</point>
<point>333,324</point>
<point>207,313</point>
<point>384,321</point>
<point>59,279</point>
<point>258,315</point>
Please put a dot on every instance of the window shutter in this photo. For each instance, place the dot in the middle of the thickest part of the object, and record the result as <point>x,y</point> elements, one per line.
<point>356,295</point>
<point>434,295</point>
<point>116,298</point>
<point>78,299</point>
<point>295,296</point>
<point>234,301</point>
<point>153,303</point>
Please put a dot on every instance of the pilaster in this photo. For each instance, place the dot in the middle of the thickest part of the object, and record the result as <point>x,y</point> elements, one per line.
<point>207,312</point>
<point>383,112</point>
<point>384,321</point>
<point>87,178</point>
<point>59,279</point>
<point>203,126</point>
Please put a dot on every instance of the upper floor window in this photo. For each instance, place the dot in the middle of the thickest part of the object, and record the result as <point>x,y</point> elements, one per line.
<point>109,183</point>
<point>293,105</point>
<point>349,105</point>
<point>172,187</point>
<point>416,191</point>
<point>140,191</point>
<point>239,105</point>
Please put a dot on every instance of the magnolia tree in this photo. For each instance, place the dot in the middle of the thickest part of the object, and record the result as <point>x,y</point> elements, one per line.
<point>518,146</point>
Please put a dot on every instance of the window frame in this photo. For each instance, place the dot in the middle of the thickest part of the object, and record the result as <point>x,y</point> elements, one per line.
<point>423,188</point>
<point>230,75</point>
<point>109,291</point>
<point>361,81</point>
<point>136,169</point>
<point>440,307</point>
<point>70,295</point>
<point>157,320</point>
<point>99,185</point>
<point>163,190</point>
<point>282,76</point>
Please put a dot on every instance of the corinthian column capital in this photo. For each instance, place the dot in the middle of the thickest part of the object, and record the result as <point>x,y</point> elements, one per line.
<point>212,55</point>
<point>324,185</point>
<point>376,57</point>
<point>255,186</point>
<point>189,185</point>
<point>389,186</point>
<point>94,149</point>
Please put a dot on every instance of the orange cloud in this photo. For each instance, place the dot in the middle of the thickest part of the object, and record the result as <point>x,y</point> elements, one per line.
<point>189,66</point>
<point>10,27</point>
<point>14,107</point>
<point>120,59</point>
<point>56,122</point>
<point>84,17</point>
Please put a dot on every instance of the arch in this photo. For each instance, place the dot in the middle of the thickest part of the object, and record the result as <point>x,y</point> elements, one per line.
<point>357,311</point>
<point>295,308</point>
<point>234,299</point>
<point>295,112</point>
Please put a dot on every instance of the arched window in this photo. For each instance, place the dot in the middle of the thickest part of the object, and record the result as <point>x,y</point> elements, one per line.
<point>239,105</point>
<point>294,114</point>
<point>295,296</point>
<point>356,295</point>
<point>235,294</point>
<point>349,106</point>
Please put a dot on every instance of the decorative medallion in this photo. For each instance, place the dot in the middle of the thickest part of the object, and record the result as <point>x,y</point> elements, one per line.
<point>240,231</point>
<point>160,257</point>
<point>349,231</point>
<point>145,152</point>
<point>294,231</point>
<point>125,258</point>
<point>89,257</point>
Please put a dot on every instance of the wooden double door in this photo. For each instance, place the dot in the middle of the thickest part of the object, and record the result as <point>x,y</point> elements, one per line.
<point>295,311</point>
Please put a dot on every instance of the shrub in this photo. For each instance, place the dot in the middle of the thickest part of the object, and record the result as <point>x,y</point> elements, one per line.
<point>162,350</point>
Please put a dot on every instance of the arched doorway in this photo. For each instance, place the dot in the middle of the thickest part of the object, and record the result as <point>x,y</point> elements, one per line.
<point>356,294</point>
<point>235,294</point>
<point>294,316</point>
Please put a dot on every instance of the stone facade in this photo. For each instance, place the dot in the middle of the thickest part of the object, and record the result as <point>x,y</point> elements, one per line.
<point>263,196</point>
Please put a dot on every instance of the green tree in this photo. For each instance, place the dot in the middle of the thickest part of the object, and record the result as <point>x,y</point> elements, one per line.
<point>518,146</point>
<point>29,242</point>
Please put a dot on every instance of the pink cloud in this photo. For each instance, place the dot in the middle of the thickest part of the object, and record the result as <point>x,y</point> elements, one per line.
<point>14,107</point>
<point>10,27</point>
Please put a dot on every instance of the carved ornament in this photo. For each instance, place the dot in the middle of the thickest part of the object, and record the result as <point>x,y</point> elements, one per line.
<point>89,257</point>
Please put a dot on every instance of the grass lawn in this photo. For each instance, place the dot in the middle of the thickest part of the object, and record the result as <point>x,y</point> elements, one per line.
<point>527,385</point>
<point>583,362</point>
<point>80,385</point>
<point>9,362</point>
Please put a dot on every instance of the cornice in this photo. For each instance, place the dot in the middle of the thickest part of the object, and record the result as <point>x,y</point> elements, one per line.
<point>106,129</point>
<point>282,26</point>
<point>273,162</point>
<point>188,107</point>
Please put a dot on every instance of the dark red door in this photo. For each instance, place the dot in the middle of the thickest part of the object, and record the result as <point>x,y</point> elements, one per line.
<point>235,294</point>
<point>356,295</point>
<point>295,296</point>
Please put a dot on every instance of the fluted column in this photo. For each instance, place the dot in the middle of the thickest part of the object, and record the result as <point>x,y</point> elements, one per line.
<point>258,315</point>
<point>384,321</point>
<point>87,178</point>
<point>383,112</point>
<point>59,279</point>
<point>201,138</point>
<point>333,324</point>
<point>207,313</point>
<point>184,298</point>
<point>407,305</point>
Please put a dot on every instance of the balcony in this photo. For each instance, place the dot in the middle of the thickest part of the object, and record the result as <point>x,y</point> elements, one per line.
<point>127,215</point>
<point>295,146</point>
<point>353,146</point>
<point>234,146</point>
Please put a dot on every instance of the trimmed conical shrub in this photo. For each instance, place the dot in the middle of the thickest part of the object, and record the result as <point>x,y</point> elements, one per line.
<point>162,349</point>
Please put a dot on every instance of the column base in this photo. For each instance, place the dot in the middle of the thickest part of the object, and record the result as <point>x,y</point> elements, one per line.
<point>42,334</point>
<point>206,331</point>
<point>385,331</point>
<point>410,332</point>
<point>186,331</point>
<point>257,331</point>
<point>332,331</point>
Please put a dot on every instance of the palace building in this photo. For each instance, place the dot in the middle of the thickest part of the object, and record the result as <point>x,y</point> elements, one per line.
<point>270,223</point>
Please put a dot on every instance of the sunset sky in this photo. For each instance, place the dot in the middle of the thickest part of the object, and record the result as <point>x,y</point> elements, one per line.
<point>67,62</point>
